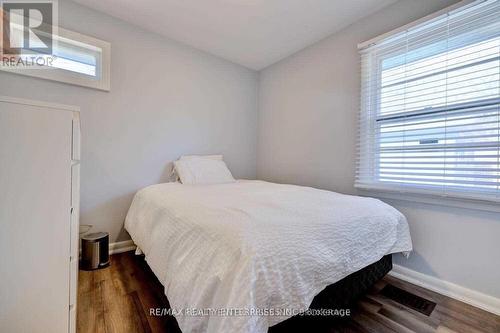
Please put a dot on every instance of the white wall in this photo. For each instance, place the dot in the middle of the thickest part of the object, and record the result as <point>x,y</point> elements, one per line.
<point>166,99</point>
<point>308,107</point>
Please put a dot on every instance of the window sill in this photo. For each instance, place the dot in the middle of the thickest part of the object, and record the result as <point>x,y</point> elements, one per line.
<point>431,199</point>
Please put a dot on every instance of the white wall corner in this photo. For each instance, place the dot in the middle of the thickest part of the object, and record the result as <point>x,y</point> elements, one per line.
<point>120,247</point>
<point>469,296</point>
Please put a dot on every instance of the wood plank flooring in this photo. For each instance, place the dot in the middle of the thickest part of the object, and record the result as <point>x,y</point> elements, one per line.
<point>119,298</point>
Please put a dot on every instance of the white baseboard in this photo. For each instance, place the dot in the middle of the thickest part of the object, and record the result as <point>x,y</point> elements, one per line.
<point>120,247</point>
<point>469,296</point>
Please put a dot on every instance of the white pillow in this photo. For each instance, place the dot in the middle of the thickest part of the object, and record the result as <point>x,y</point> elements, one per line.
<point>212,157</point>
<point>175,175</point>
<point>203,171</point>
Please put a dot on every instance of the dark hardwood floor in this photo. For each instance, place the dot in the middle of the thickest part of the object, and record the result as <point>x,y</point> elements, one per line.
<point>119,299</point>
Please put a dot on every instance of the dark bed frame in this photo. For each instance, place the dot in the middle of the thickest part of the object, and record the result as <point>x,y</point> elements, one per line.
<point>340,295</point>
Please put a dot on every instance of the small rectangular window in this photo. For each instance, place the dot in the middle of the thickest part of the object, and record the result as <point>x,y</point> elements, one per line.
<point>76,59</point>
<point>430,109</point>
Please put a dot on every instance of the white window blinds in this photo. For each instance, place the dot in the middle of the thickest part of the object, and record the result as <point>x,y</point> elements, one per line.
<point>430,106</point>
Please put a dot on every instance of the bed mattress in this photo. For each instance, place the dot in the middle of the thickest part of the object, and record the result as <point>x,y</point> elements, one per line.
<point>254,253</point>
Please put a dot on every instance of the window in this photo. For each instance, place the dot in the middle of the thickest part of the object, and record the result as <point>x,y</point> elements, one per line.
<point>430,106</point>
<point>77,59</point>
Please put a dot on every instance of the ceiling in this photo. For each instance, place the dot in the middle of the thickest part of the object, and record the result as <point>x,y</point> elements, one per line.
<point>252,33</point>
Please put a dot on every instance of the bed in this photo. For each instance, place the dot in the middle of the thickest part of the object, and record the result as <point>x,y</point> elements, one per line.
<point>247,255</point>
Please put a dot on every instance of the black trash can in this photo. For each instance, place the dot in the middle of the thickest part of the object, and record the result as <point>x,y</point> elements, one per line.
<point>95,251</point>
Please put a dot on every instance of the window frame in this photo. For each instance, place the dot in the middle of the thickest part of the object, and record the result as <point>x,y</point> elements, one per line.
<point>102,81</point>
<point>407,191</point>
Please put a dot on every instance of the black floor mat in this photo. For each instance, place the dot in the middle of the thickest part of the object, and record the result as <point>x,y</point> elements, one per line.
<point>407,299</point>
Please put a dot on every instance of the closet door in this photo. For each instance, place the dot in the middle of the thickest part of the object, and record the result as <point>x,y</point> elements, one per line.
<point>35,201</point>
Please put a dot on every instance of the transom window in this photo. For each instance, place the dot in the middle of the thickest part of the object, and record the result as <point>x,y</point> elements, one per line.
<point>430,109</point>
<point>76,59</point>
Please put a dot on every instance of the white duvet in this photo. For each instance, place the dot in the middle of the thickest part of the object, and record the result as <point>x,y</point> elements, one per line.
<point>251,245</point>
